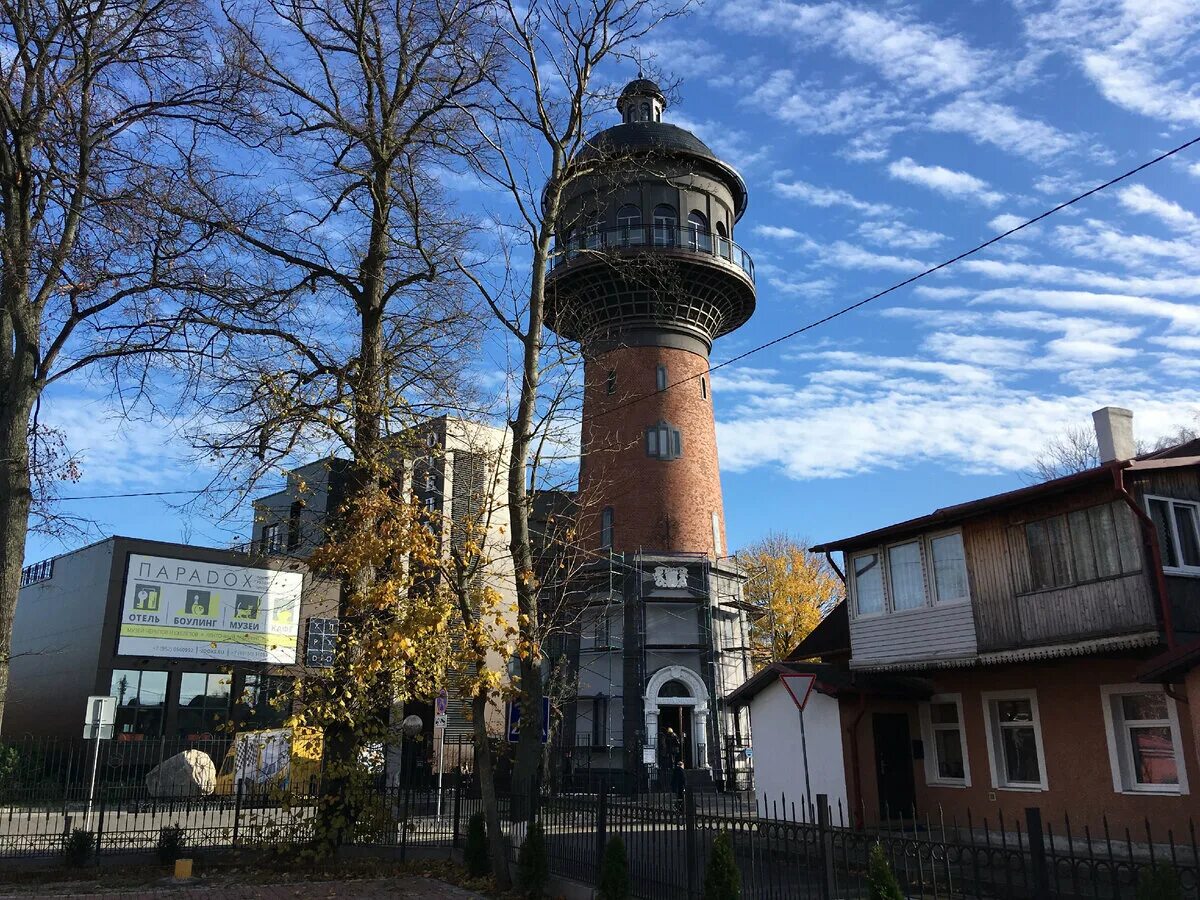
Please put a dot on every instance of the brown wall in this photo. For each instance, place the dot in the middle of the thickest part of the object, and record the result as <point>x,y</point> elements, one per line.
<point>1077,765</point>
<point>657,504</point>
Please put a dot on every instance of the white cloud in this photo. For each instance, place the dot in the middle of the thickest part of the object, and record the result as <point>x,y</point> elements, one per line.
<point>827,197</point>
<point>1180,315</point>
<point>1140,199</point>
<point>816,287</point>
<point>1046,273</point>
<point>898,234</point>
<point>1007,221</point>
<point>1185,342</point>
<point>981,349</point>
<point>1003,126</point>
<point>1194,169</point>
<point>1101,241</point>
<point>779,232</point>
<point>845,255</point>
<point>813,108</point>
<point>945,181</point>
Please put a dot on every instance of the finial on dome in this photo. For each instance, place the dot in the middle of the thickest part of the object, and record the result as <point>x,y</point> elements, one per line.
<point>641,101</point>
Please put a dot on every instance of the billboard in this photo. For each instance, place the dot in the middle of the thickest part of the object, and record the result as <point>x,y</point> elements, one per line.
<point>199,610</point>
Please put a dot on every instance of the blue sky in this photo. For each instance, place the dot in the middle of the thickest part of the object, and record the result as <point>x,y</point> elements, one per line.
<point>876,139</point>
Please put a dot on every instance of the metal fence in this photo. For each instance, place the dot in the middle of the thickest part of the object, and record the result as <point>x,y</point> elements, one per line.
<point>784,848</point>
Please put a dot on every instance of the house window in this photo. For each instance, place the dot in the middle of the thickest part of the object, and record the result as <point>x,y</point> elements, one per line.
<point>946,758</point>
<point>907,576</point>
<point>663,441</point>
<point>868,583</point>
<point>1145,749</point>
<point>610,382</point>
<point>949,567</point>
<point>1014,735</point>
<point>1178,526</point>
<point>1084,545</point>
<point>606,527</point>
<point>272,537</point>
<point>660,377</point>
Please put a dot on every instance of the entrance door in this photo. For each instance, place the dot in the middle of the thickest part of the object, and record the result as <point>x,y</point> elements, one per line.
<point>894,765</point>
<point>679,720</point>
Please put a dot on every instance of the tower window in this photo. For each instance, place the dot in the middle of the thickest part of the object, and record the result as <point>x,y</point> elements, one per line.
<point>610,383</point>
<point>645,112</point>
<point>665,220</point>
<point>703,387</point>
<point>698,236</point>
<point>663,441</point>
<point>629,221</point>
<point>661,377</point>
<point>606,527</point>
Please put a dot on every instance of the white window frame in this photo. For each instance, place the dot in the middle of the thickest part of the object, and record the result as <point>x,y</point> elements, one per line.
<point>1119,757</point>
<point>995,751</point>
<point>932,776</point>
<point>1193,571</point>
<point>882,563</point>
<point>888,593</point>
<point>931,576</point>
<point>925,543</point>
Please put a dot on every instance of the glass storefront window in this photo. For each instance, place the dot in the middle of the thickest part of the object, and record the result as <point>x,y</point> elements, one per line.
<point>265,701</point>
<point>141,701</point>
<point>203,704</point>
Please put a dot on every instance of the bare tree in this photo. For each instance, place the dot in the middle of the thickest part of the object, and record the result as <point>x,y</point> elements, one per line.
<point>347,322</point>
<point>546,100</point>
<point>97,97</point>
<point>1076,449</point>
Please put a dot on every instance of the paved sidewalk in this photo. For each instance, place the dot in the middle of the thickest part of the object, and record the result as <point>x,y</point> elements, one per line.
<point>400,886</point>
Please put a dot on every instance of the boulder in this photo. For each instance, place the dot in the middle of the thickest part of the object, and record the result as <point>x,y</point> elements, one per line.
<point>187,774</point>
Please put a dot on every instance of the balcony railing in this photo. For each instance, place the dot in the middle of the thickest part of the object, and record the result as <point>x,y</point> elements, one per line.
<point>652,237</point>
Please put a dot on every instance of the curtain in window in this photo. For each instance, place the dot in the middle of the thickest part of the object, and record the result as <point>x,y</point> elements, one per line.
<point>949,567</point>
<point>908,581</point>
<point>868,583</point>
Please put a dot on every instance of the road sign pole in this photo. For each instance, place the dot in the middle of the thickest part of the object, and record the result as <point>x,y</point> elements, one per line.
<point>804,753</point>
<point>97,716</point>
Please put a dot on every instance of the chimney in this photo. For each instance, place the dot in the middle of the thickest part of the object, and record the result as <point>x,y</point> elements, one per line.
<point>1114,433</point>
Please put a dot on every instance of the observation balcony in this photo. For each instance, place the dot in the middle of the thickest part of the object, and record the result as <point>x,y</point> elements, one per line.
<point>651,238</point>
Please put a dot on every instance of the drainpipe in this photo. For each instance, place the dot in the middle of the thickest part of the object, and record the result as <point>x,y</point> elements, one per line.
<point>855,767</point>
<point>840,573</point>
<point>1150,536</point>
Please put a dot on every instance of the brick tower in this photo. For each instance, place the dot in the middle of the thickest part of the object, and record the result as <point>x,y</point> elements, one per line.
<point>646,277</point>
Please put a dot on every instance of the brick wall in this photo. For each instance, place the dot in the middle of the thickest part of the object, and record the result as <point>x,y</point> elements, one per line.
<point>657,504</point>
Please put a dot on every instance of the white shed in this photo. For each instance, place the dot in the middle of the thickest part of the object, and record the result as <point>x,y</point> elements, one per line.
<point>780,740</point>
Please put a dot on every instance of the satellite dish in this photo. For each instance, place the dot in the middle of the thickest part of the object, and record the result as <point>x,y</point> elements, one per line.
<point>412,726</point>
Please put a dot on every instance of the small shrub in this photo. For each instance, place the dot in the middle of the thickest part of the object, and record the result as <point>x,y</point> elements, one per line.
<point>78,847</point>
<point>1159,882</point>
<point>614,872</point>
<point>722,880</point>
<point>881,883</point>
<point>476,855</point>
<point>171,841</point>
<point>533,863</point>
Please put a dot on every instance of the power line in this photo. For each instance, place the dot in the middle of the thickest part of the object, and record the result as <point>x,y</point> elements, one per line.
<point>895,287</point>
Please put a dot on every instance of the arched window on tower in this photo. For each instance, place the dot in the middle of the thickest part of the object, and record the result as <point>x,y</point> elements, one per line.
<point>665,221</point>
<point>663,441</point>
<point>645,112</point>
<point>698,236</point>
<point>723,248</point>
<point>629,221</point>
<point>606,527</point>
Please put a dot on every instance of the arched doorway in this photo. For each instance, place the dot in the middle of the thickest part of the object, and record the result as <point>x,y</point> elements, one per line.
<point>677,699</point>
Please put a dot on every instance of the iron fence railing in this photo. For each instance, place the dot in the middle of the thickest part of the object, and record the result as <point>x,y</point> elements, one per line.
<point>648,238</point>
<point>784,847</point>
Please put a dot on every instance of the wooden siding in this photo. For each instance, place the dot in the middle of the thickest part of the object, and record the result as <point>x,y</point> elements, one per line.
<point>1009,613</point>
<point>1112,606</point>
<point>1183,591</point>
<point>931,633</point>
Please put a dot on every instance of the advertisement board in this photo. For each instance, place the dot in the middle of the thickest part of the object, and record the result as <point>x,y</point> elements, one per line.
<point>199,610</point>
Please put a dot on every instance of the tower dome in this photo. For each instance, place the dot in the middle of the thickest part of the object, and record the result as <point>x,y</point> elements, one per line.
<point>641,101</point>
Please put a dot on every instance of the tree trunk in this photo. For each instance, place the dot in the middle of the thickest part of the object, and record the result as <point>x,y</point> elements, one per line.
<point>485,771</point>
<point>15,500</point>
<point>529,742</point>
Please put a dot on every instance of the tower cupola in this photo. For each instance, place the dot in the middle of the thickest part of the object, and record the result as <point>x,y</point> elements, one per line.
<point>641,101</point>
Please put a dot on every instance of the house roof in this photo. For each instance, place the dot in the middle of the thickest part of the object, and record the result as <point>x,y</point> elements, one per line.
<point>832,635</point>
<point>835,681</point>
<point>1171,665</point>
<point>1181,456</point>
